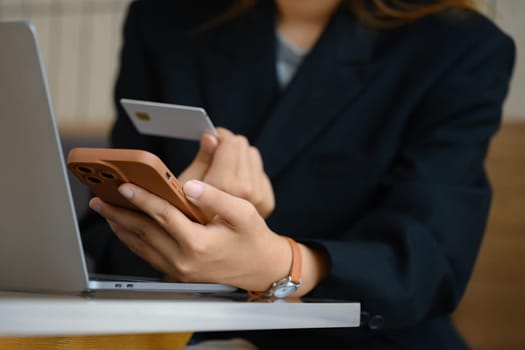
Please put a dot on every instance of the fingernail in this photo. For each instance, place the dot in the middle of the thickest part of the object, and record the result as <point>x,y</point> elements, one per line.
<point>193,189</point>
<point>125,191</point>
<point>208,148</point>
<point>95,206</point>
<point>210,145</point>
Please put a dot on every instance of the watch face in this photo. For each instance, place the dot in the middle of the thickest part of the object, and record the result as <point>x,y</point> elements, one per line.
<point>284,288</point>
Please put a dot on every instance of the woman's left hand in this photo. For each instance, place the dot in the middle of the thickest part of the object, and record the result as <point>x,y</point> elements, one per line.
<point>231,164</point>
<point>235,248</point>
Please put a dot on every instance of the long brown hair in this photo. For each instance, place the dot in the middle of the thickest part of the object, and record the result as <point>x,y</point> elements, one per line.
<point>378,14</point>
<point>394,13</point>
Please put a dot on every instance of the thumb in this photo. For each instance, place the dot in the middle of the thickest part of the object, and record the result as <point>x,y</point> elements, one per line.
<point>202,160</point>
<point>208,144</point>
<point>236,211</point>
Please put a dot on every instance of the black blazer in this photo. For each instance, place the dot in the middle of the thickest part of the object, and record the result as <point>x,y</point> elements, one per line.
<point>375,150</point>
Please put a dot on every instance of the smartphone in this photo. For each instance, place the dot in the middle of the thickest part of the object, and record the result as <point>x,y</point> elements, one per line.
<point>105,169</point>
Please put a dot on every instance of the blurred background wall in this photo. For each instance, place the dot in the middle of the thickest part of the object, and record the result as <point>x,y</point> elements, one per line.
<point>80,41</point>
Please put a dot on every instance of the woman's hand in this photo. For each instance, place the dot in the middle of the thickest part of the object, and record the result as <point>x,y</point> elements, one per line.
<point>232,165</point>
<point>235,248</point>
<point>202,161</point>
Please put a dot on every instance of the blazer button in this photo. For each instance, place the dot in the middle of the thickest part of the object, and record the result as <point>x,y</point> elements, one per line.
<point>376,322</point>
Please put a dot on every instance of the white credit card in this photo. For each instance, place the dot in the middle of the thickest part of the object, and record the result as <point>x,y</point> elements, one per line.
<point>168,120</point>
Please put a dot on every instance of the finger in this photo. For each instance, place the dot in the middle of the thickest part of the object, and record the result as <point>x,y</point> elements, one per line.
<point>245,172</point>
<point>129,219</point>
<point>208,144</point>
<point>171,219</point>
<point>141,248</point>
<point>258,174</point>
<point>236,211</point>
<point>244,165</point>
<point>137,229</point>
<point>268,202</point>
<point>202,160</point>
<point>260,195</point>
<point>224,164</point>
<point>256,160</point>
<point>223,133</point>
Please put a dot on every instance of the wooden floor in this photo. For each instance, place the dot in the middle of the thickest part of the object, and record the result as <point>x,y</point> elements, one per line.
<point>492,313</point>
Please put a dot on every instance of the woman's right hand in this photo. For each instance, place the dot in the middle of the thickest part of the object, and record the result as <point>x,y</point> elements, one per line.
<point>237,247</point>
<point>231,164</point>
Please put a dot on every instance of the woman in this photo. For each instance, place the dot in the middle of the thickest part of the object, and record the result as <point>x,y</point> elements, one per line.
<point>369,121</point>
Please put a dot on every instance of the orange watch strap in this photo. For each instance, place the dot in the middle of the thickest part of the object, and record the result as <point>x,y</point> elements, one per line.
<point>297,261</point>
<point>295,270</point>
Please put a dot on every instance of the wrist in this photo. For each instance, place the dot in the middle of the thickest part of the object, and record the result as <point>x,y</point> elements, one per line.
<point>315,268</point>
<point>291,282</point>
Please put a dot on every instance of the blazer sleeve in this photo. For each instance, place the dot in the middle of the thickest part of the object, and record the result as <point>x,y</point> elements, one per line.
<point>411,256</point>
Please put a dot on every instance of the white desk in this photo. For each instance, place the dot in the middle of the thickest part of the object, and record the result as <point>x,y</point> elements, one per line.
<point>27,315</point>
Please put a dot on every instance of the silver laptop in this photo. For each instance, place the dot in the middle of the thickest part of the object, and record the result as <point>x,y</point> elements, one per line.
<point>40,246</point>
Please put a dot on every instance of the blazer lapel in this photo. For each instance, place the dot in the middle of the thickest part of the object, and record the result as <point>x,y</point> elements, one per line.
<point>329,79</point>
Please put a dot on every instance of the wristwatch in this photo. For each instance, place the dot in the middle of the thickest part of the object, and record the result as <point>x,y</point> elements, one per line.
<point>288,285</point>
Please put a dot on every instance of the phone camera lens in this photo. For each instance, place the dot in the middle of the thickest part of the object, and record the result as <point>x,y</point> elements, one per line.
<point>94,180</point>
<point>107,175</point>
<point>85,170</point>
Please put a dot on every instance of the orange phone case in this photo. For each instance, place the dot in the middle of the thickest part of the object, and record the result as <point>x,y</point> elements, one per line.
<point>105,169</point>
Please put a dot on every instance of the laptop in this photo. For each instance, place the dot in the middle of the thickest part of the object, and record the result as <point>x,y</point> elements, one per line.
<point>40,245</point>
